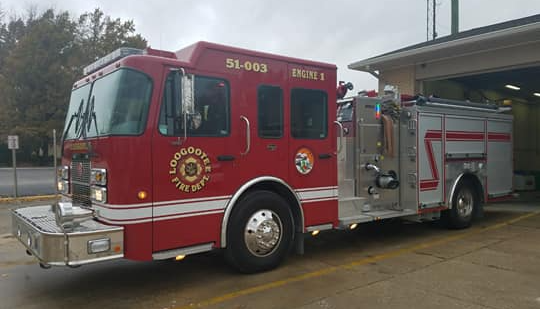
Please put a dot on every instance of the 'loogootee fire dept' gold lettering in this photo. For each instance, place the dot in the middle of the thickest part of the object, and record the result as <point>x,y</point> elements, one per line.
<point>190,169</point>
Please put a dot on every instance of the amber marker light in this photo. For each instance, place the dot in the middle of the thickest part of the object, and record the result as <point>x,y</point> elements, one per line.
<point>315,233</point>
<point>353,226</point>
<point>179,257</point>
<point>142,195</point>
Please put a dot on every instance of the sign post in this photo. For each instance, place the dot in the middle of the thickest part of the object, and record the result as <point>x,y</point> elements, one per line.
<point>13,144</point>
<point>54,163</point>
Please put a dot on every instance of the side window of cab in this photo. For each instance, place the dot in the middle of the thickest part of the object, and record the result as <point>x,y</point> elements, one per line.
<point>211,117</point>
<point>309,114</point>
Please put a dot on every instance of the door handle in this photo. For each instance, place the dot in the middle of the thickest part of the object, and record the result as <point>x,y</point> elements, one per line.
<point>225,158</point>
<point>325,156</point>
<point>248,136</point>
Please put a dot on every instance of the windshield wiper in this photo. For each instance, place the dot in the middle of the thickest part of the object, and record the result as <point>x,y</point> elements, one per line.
<point>92,116</point>
<point>73,116</point>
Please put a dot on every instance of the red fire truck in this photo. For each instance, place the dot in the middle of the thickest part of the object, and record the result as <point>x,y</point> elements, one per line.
<point>214,147</point>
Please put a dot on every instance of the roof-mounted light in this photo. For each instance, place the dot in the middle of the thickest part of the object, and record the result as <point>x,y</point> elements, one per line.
<point>112,57</point>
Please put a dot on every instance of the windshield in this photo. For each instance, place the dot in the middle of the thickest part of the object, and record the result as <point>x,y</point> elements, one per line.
<point>117,105</point>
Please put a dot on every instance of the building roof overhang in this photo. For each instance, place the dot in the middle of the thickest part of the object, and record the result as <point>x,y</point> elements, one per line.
<point>511,34</point>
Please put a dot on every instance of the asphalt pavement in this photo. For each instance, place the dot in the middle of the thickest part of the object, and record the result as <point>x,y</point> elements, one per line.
<point>31,181</point>
<point>391,264</point>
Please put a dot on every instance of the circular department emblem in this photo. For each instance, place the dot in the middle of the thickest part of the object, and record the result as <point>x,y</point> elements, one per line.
<point>189,169</point>
<point>304,161</point>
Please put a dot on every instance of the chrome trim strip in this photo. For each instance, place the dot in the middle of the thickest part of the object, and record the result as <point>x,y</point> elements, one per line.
<point>454,185</point>
<point>321,227</point>
<point>243,189</point>
<point>96,260</point>
<point>162,255</point>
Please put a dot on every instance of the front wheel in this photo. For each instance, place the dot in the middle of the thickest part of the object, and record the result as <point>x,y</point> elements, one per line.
<point>464,203</point>
<point>259,233</point>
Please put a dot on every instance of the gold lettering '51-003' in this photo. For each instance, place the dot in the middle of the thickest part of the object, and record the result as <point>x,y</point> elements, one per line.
<point>247,65</point>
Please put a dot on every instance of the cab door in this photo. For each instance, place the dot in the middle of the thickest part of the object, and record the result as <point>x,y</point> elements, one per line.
<point>312,152</point>
<point>268,143</point>
<point>189,178</point>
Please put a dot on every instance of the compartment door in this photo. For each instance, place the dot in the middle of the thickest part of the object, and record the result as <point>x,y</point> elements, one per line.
<point>430,160</point>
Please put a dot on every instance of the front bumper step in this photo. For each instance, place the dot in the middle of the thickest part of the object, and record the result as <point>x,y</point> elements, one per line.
<point>37,230</point>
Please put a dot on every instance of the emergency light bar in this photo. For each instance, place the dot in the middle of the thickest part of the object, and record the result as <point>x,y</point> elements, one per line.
<point>110,58</point>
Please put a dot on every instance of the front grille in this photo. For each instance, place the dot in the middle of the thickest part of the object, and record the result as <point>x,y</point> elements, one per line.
<point>80,180</point>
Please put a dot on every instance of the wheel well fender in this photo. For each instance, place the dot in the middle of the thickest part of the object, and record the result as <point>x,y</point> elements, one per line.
<point>477,184</point>
<point>267,183</point>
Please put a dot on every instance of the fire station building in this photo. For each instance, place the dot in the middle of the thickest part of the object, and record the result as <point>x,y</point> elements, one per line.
<point>498,63</point>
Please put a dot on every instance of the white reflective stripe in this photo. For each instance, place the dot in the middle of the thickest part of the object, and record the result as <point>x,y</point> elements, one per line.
<point>209,198</point>
<point>193,200</point>
<point>307,195</point>
<point>124,222</point>
<point>315,189</point>
<point>124,214</point>
<point>190,207</point>
<point>127,222</point>
<point>123,205</point>
<point>188,215</point>
<point>144,213</point>
<point>320,200</point>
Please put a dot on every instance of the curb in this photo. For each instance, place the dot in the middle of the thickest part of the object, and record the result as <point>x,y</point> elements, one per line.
<point>26,198</point>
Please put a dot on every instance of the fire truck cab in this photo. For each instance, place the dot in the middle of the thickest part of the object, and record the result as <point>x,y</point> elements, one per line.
<point>171,154</point>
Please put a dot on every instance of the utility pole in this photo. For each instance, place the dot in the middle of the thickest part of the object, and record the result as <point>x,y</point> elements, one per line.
<point>455,16</point>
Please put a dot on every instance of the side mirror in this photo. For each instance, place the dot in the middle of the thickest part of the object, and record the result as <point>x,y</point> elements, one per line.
<point>188,92</point>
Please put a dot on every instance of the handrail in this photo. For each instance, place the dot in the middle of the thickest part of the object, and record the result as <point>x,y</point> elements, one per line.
<point>340,135</point>
<point>248,136</point>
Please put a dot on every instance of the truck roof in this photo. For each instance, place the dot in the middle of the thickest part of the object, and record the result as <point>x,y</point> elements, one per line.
<point>191,56</point>
<point>192,53</point>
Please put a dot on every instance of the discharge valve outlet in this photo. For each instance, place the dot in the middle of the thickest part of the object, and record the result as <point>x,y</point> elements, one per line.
<point>383,180</point>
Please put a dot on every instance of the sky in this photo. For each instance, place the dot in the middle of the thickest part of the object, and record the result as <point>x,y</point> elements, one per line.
<point>337,31</point>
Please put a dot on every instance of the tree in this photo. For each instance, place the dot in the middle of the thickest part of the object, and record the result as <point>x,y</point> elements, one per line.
<point>99,34</point>
<point>40,58</point>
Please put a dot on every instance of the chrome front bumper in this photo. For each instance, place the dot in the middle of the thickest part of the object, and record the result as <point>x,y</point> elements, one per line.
<point>37,229</point>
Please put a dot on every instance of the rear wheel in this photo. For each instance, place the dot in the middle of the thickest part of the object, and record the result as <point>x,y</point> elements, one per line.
<point>259,232</point>
<point>464,203</point>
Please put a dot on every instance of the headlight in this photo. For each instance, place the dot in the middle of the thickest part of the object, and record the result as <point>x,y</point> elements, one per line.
<point>98,194</point>
<point>98,176</point>
<point>99,245</point>
<point>63,172</point>
<point>63,186</point>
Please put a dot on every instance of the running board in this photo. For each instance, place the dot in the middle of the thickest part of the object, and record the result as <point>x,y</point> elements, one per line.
<point>168,254</point>
<point>374,216</point>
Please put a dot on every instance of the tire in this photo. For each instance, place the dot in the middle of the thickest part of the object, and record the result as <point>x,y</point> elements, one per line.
<point>259,233</point>
<point>465,203</point>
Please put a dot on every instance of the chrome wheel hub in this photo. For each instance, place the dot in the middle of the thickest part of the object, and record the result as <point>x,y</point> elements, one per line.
<point>262,233</point>
<point>464,203</point>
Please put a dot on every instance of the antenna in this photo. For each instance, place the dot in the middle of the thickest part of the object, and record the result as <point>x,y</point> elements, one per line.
<point>427,20</point>
<point>434,19</point>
